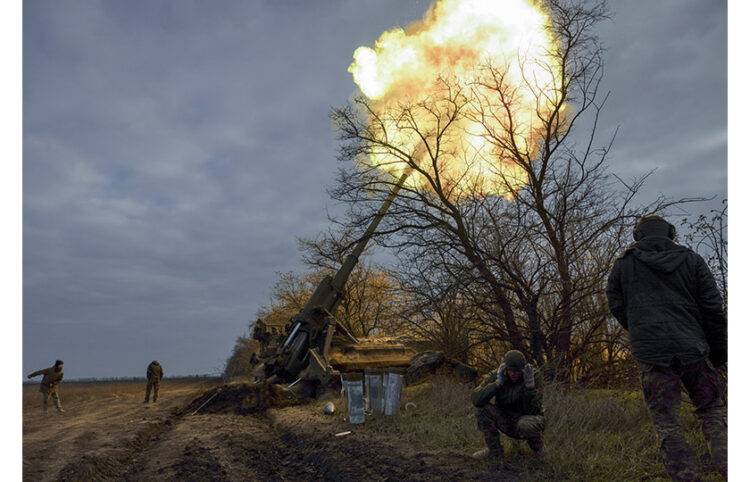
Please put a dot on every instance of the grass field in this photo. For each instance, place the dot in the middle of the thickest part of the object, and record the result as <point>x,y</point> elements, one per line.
<point>590,435</point>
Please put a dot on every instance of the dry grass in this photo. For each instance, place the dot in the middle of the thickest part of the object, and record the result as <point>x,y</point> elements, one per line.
<point>442,420</point>
<point>591,435</point>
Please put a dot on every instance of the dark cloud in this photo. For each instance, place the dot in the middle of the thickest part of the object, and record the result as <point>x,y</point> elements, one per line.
<point>174,150</point>
<point>666,70</point>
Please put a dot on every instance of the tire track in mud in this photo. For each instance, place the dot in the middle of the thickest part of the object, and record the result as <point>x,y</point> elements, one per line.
<point>292,446</point>
<point>110,464</point>
<point>276,445</point>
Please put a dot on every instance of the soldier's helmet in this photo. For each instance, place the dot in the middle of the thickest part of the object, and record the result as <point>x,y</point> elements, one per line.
<point>514,360</point>
<point>653,225</point>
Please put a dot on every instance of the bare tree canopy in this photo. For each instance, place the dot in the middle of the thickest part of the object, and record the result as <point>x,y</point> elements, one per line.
<point>517,221</point>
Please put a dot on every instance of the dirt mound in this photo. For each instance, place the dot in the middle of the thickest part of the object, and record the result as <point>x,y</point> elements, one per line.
<point>243,398</point>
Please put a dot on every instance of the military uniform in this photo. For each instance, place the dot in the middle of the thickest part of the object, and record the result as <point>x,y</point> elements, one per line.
<point>666,297</point>
<point>154,373</point>
<point>517,411</point>
<point>48,386</point>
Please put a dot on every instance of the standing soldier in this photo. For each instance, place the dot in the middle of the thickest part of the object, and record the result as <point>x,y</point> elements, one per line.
<point>52,377</point>
<point>666,297</point>
<point>517,411</point>
<point>154,373</point>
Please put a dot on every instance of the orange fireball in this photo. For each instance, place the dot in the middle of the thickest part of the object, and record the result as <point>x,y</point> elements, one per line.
<point>462,43</point>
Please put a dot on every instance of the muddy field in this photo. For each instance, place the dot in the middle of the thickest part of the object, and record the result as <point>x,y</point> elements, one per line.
<point>107,433</point>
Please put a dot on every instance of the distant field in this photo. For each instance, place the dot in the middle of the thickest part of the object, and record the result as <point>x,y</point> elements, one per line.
<point>74,393</point>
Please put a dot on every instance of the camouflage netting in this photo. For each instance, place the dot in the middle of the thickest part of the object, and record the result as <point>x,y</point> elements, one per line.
<point>243,398</point>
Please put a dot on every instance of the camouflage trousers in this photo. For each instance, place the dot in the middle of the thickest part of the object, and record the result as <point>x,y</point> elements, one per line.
<point>491,419</point>
<point>55,398</point>
<point>661,388</point>
<point>149,386</point>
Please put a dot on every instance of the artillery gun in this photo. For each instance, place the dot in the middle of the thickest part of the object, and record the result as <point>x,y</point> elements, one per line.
<point>306,351</point>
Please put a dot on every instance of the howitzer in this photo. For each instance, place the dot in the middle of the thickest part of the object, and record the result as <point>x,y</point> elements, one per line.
<point>304,351</point>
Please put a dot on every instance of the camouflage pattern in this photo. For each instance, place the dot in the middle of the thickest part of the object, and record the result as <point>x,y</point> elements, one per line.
<point>50,380</point>
<point>154,374</point>
<point>48,386</point>
<point>55,398</point>
<point>152,385</point>
<point>490,419</point>
<point>661,387</point>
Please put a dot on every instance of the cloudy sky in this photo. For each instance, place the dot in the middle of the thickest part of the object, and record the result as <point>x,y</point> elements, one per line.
<point>174,150</point>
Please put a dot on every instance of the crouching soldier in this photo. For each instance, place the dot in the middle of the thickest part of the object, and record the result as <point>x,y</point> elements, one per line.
<point>52,377</point>
<point>154,373</point>
<point>517,411</point>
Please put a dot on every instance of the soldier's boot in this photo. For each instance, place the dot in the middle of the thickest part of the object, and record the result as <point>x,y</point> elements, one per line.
<point>536,445</point>
<point>494,451</point>
<point>60,410</point>
<point>495,460</point>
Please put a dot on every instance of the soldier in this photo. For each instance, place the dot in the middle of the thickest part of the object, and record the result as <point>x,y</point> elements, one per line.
<point>154,372</point>
<point>517,411</point>
<point>666,297</point>
<point>52,377</point>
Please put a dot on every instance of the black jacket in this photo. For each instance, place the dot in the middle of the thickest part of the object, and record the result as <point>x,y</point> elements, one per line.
<point>666,297</point>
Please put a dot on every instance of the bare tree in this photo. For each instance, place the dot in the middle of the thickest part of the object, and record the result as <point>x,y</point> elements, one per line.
<point>370,302</point>
<point>708,235</point>
<point>532,244</point>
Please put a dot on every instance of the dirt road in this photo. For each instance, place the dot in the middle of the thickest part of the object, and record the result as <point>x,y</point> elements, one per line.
<point>107,433</point>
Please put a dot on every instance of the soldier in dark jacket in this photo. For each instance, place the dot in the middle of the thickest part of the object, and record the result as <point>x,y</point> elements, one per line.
<point>52,377</point>
<point>154,373</point>
<point>666,297</point>
<point>517,411</point>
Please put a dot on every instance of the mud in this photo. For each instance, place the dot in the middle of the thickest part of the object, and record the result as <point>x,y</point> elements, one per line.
<point>243,398</point>
<point>222,433</point>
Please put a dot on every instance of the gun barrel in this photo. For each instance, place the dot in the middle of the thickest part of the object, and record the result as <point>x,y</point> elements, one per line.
<point>306,336</point>
<point>343,273</point>
<point>329,293</point>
